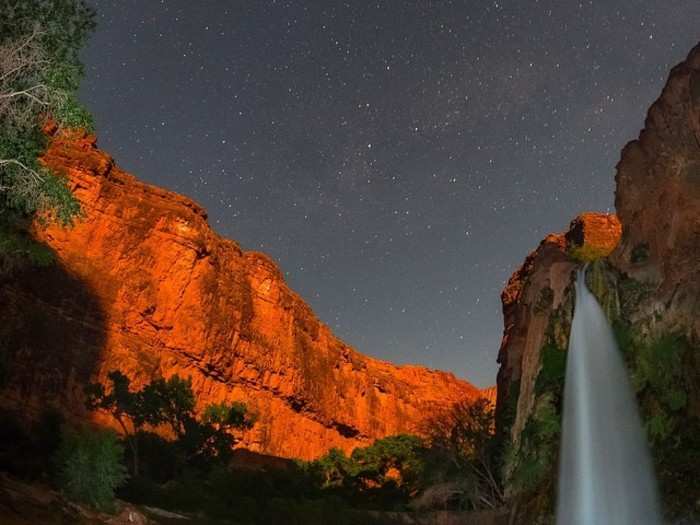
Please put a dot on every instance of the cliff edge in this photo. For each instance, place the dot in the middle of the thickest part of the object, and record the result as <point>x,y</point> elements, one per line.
<point>142,284</point>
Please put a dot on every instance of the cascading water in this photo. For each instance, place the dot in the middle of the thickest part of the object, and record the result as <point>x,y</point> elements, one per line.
<point>605,473</point>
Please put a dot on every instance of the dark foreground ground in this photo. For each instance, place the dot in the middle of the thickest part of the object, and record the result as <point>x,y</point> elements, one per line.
<point>36,504</point>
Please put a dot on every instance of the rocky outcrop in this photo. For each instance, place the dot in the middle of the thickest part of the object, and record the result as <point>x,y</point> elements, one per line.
<point>649,285</point>
<point>537,309</point>
<point>142,284</point>
<point>658,201</point>
<point>534,293</point>
<point>593,236</point>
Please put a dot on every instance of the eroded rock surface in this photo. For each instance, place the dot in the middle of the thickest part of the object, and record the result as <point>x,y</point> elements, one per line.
<point>538,289</point>
<point>648,284</point>
<point>155,292</point>
<point>658,201</point>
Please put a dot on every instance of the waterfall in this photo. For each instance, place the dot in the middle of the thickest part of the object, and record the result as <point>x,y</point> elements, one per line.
<point>605,471</point>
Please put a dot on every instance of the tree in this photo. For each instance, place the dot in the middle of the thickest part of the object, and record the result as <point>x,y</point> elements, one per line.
<point>89,466</point>
<point>332,469</point>
<point>40,73</point>
<point>463,436</point>
<point>395,461</point>
<point>387,457</point>
<point>128,409</point>
<point>170,402</point>
<point>218,422</point>
<point>26,97</point>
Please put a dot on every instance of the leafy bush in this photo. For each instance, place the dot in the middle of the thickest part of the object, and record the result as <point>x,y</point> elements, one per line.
<point>658,367</point>
<point>676,460</point>
<point>394,459</point>
<point>382,475</point>
<point>89,466</point>
<point>588,253</point>
<point>553,370</point>
<point>16,243</point>
<point>664,373</point>
<point>535,459</point>
<point>464,450</point>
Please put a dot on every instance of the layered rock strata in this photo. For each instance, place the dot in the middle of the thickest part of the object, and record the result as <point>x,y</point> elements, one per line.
<point>143,285</point>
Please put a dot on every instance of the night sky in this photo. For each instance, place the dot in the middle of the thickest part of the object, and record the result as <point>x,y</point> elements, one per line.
<point>399,159</point>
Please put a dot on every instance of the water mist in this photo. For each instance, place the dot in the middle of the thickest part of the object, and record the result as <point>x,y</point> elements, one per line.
<point>605,473</point>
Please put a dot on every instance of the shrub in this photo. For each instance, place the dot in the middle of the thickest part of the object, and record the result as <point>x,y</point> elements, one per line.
<point>89,466</point>
<point>659,367</point>
<point>553,371</point>
<point>587,253</point>
<point>536,456</point>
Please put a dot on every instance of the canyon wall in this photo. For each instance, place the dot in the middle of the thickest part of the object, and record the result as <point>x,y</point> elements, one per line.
<point>647,278</point>
<point>142,284</point>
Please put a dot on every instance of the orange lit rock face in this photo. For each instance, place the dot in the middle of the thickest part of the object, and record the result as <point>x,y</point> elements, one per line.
<point>533,293</point>
<point>490,394</point>
<point>594,235</point>
<point>168,296</point>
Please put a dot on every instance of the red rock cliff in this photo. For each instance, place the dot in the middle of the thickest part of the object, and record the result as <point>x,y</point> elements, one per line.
<point>658,204</point>
<point>647,279</point>
<point>539,288</point>
<point>658,201</point>
<point>142,284</point>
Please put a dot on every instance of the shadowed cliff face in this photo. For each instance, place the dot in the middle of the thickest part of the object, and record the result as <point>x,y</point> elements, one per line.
<point>658,200</point>
<point>648,284</point>
<point>178,299</point>
<point>51,337</point>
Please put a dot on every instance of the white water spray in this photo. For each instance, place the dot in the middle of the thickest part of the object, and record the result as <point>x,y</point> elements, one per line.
<point>605,473</point>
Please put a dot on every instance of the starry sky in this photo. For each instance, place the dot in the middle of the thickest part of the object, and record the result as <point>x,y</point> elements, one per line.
<point>399,159</point>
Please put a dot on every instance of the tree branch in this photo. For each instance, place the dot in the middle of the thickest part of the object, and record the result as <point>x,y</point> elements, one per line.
<point>22,45</point>
<point>27,93</point>
<point>34,174</point>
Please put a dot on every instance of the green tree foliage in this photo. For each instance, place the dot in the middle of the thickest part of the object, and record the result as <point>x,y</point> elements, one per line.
<point>382,461</point>
<point>192,470</point>
<point>234,414</point>
<point>553,370</point>
<point>658,369</point>
<point>536,457</point>
<point>219,420</point>
<point>89,466</point>
<point>332,469</point>
<point>170,402</point>
<point>40,72</point>
<point>383,475</point>
<point>664,374</point>
<point>458,451</point>
<point>396,460</point>
<point>128,408</point>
